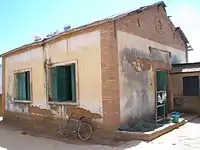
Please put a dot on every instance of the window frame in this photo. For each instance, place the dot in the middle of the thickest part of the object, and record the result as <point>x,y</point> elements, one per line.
<point>66,63</point>
<point>15,86</point>
<point>198,86</point>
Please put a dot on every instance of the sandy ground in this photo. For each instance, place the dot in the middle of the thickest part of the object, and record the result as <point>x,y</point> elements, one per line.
<point>185,138</point>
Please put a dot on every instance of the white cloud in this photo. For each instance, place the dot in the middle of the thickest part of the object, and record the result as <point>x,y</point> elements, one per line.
<point>188,19</point>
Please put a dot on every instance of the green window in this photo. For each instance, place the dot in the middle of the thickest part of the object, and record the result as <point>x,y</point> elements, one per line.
<point>23,86</point>
<point>63,83</point>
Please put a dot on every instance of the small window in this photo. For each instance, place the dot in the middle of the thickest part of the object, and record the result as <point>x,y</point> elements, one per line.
<point>191,86</point>
<point>63,84</point>
<point>23,86</point>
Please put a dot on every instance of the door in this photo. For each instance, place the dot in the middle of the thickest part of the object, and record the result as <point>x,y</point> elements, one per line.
<point>162,92</point>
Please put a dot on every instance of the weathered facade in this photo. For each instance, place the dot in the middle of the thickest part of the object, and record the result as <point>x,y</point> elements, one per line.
<point>115,62</point>
<point>185,84</point>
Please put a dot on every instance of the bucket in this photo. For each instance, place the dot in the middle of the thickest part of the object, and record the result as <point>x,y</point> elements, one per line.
<point>175,117</point>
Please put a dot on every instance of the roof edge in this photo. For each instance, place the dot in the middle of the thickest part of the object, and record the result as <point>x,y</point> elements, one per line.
<point>22,47</point>
<point>184,64</point>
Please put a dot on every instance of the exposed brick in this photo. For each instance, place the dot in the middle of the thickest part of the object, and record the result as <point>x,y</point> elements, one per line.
<point>148,30</point>
<point>111,120</point>
<point>110,106</point>
<point>110,76</point>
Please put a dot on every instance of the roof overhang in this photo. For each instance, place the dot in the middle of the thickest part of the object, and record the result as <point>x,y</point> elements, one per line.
<point>184,38</point>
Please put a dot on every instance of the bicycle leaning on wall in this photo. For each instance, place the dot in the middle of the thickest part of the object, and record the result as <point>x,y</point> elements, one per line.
<point>78,127</point>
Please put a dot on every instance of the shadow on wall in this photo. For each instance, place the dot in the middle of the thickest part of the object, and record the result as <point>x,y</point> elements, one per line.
<point>135,65</point>
<point>136,69</point>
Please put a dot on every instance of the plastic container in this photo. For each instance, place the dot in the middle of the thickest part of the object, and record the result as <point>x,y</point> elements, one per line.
<point>175,117</point>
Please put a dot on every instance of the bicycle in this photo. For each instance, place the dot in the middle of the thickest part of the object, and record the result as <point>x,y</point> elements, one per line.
<point>79,127</point>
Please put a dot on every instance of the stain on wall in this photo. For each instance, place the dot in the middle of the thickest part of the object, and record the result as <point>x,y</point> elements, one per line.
<point>138,59</point>
<point>127,40</point>
<point>136,66</point>
<point>39,111</point>
<point>142,61</point>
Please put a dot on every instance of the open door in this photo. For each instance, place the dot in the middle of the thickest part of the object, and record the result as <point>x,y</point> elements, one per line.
<point>162,100</point>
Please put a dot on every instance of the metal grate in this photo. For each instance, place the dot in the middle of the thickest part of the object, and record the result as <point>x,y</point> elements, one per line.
<point>161,97</point>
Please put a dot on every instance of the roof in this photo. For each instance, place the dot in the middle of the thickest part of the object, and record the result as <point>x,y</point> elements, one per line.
<point>185,68</point>
<point>112,18</point>
<point>184,38</point>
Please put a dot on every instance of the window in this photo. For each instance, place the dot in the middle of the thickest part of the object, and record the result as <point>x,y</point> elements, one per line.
<point>23,86</point>
<point>191,86</point>
<point>63,83</point>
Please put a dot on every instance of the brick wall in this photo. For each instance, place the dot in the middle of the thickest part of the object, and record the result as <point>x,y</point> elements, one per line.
<point>110,76</point>
<point>143,24</point>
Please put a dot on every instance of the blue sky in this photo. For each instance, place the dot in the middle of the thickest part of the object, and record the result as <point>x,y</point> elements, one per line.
<point>20,20</point>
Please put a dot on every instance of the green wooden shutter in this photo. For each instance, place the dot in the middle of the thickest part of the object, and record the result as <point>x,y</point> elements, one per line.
<point>28,86</point>
<point>73,82</point>
<point>18,87</point>
<point>61,83</point>
<point>21,84</point>
<point>54,83</point>
<point>64,83</point>
<point>68,84</point>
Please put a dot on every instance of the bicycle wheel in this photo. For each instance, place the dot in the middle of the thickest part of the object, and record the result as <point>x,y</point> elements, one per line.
<point>84,131</point>
<point>62,131</point>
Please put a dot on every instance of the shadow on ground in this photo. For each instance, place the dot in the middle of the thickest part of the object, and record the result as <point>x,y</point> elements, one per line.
<point>20,135</point>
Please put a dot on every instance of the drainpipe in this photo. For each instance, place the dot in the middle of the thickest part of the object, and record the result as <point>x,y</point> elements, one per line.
<point>186,54</point>
<point>45,69</point>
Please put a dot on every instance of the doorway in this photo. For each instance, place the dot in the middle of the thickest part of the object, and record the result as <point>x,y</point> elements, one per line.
<point>162,95</point>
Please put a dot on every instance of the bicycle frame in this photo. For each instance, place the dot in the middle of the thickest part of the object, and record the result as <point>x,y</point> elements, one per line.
<point>77,122</point>
<point>75,127</point>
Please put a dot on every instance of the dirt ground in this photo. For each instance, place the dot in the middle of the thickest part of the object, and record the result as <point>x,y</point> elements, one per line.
<point>14,139</point>
<point>186,137</point>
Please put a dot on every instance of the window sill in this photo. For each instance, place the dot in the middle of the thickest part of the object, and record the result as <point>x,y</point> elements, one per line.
<point>23,101</point>
<point>63,103</point>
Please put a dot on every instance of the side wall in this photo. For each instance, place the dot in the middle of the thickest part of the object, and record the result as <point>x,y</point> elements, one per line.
<point>83,49</point>
<point>188,104</point>
<point>138,62</point>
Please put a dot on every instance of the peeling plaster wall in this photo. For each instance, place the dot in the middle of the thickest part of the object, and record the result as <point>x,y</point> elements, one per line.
<point>136,73</point>
<point>85,50</point>
<point>32,59</point>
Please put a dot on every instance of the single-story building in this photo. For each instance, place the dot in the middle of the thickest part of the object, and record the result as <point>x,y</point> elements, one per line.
<point>110,69</point>
<point>186,87</point>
